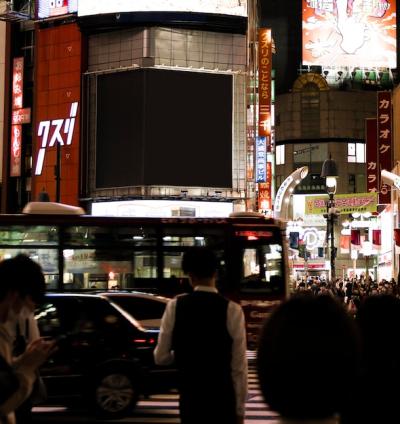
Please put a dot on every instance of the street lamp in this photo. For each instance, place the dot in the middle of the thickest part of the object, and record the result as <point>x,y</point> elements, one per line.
<point>330,172</point>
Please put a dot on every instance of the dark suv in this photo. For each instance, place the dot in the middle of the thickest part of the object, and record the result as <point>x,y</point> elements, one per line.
<point>105,358</point>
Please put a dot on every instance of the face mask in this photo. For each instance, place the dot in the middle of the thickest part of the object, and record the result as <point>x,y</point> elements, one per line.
<point>11,322</point>
<point>14,317</point>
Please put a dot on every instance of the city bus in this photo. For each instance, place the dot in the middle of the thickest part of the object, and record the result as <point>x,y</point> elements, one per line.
<point>81,252</point>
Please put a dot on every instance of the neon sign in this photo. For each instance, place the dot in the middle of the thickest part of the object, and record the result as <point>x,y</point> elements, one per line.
<point>59,126</point>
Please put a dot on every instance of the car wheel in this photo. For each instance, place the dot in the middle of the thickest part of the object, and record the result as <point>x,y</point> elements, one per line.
<point>115,394</point>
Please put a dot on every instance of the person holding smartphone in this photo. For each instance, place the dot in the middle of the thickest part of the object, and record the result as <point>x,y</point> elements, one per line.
<point>22,286</point>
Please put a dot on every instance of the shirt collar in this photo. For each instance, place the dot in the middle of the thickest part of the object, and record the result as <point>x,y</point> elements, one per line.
<point>206,289</point>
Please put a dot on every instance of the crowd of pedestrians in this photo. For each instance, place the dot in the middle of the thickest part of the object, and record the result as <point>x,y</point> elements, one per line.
<point>350,291</point>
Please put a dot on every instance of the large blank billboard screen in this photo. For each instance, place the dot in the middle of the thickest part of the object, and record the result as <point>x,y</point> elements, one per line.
<point>224,7</point>
<point>358,33</point>
<point>162,127</point>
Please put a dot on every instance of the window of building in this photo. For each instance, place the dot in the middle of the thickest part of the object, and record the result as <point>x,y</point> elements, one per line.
<point>356,153</point>
<point>360,183</point>
<point>310,153</point>
<point>279,180</point>
<point>352,183</point>
<point>280,155</point>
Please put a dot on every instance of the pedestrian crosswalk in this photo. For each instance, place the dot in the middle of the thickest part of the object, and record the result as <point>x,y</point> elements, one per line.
<point>159,409</point>
<point>164,408</point>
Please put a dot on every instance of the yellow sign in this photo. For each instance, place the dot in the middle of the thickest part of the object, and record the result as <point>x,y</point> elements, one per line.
<point>344,203</point>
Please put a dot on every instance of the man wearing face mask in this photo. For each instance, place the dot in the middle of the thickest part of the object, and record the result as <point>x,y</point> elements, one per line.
<point>22,286</point>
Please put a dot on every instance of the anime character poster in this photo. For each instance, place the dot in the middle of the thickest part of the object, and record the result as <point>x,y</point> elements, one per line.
<point>349,33</point>
<point>50,8</point>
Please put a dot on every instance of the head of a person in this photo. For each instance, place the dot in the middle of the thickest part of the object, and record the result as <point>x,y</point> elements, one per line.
<point>200,264</point>
<point>303,349</point>
<point>378,318</point>
<point>22,283</point>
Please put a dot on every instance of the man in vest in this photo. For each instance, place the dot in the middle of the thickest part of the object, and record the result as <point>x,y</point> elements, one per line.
<point>204,334</point>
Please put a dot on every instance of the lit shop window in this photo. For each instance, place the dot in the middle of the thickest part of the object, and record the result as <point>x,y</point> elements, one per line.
<point>280,155</point>
<point>356,153</point>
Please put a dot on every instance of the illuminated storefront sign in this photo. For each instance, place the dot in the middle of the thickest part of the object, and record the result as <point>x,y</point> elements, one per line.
<point>18,83</point>
<point>224,7</point>
<point>345,203</point>
<point>161,208</point>
<point>261,160</point>
<point>372,155</point>
<point>53,132</point>
<point>19,116</point>
<point>264,191</point>
<point>384,133</point>
<point>16,144</point>
<point>353,33</point>
<point>51,8</point>
<point>264,84</point>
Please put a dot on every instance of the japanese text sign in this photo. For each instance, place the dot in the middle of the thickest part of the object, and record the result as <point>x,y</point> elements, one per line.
<point>264,83</point>
<point>18,83</point>
<point>16,143</point>
<point>345,203</point>
<point>261,160</point>
<point>372,155</point>
<point>264,191</point>
<point>384,133</point>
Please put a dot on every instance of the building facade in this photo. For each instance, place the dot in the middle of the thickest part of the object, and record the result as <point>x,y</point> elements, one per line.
<point>130,106</point>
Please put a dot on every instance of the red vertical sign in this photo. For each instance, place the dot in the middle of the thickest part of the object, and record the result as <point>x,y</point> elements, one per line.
<point>264,84</point>
<point>384,133</point>
<point>372,155</point>
<point>16,143</point>
<point>16,129</point>
<point>18,83</point>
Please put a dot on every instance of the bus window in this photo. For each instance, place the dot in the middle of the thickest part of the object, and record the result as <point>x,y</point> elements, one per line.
<point>109,268</point>
<point>109,235</point>
<point>262,269</point>
<point>29,235</point>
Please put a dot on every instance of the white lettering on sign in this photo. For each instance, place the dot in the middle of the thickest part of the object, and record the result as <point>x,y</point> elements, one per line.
<point>60,127</point>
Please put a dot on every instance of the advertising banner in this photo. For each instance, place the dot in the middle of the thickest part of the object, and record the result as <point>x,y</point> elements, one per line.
<point>384,122</point>
<point>264,84</point>
<point>352,33</point>
<point>52,8</point>
<point>224,7</point>
<point>372,155</point>
<point>345,203</point>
